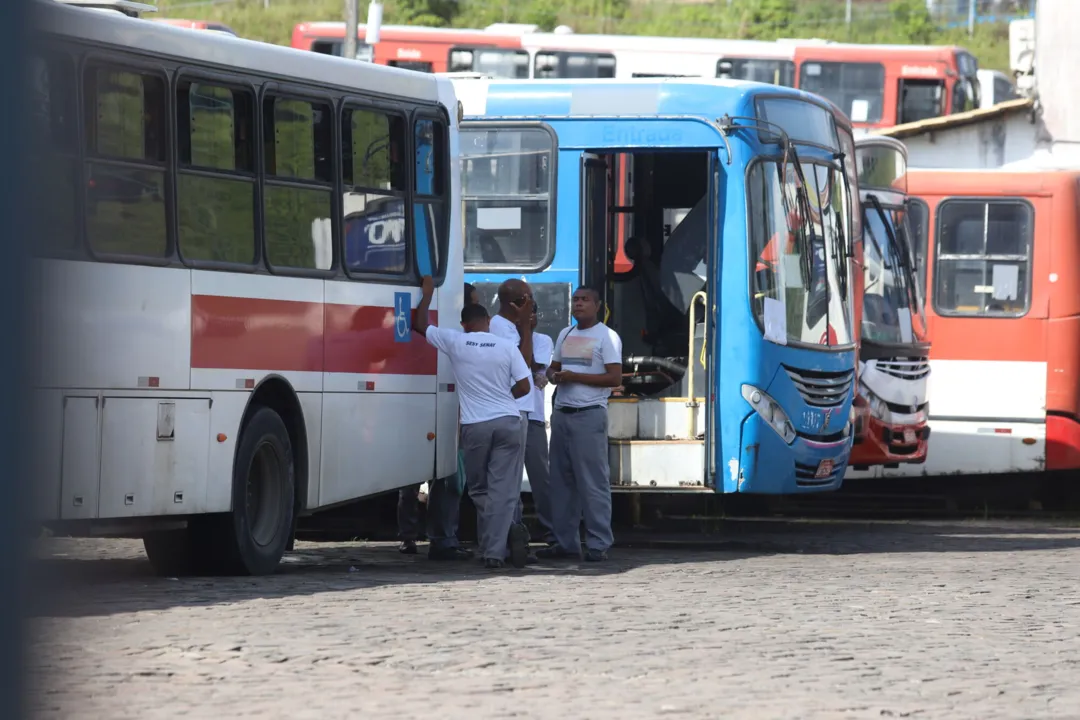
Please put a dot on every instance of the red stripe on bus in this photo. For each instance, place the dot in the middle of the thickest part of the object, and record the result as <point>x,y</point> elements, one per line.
<point>285,335</point>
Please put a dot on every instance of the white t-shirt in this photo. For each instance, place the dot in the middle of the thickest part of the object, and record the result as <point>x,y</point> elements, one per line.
<point>586,352</point>
<point>542,350</point>
<point>501,327</point>
<point>485,367</point>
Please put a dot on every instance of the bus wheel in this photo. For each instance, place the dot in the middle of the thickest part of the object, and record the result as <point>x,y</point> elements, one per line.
<point>263,496</point>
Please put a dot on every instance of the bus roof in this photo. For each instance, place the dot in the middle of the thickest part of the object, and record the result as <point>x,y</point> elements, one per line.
<point>994,182</point>
<point>235,53</point>
<point>611,98</point>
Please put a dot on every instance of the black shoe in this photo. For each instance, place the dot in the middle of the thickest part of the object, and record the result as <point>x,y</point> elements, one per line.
<point>449,553</point>
<point>555,552</point>
<point>595,556</point>
<point>531,559</point>
<point>519,545</point>
<point>494,564</point>
<point>407,547</point>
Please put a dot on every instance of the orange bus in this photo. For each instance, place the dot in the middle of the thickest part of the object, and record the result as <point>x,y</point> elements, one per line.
<point>425,49</point>
<point>999,252</point>
<point>880,86</point>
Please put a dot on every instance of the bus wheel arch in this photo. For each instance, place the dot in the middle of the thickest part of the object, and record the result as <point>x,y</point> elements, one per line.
<point>276,393</point>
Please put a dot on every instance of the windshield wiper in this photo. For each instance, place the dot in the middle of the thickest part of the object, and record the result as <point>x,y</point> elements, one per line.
<point>897,250</point>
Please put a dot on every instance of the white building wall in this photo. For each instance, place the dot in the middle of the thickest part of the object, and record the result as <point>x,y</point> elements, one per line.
<point>988,144</point>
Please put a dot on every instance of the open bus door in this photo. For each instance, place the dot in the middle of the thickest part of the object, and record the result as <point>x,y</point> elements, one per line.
<point>595,228</point>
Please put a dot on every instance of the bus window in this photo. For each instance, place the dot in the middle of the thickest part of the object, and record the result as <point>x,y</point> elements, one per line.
<point>429,207</point>
<point>918,216</point>
<point>513,64</point>
<point>858,89</point>
<point>574,65</point>
<point>374,176</point>
<point>126,132</point>
<point>775,72</point>
<point>216,183</point>
<point>920,99</point>
<point>415,65</point>
<point>507,177</point>
<point>297,194</point>
<point>53,141</point>
<point>983,257</point>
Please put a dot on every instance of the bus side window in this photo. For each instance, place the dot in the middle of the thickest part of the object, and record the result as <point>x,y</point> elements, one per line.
<point>983,263</point>
<point>216,181</point>
<point>430,209</point>
<point>374,178</point>
<point>53,141</point>
<point>126,131</point>
<point>299,183</point>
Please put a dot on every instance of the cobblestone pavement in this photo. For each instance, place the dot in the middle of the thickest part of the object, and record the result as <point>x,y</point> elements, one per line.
<point>794,620</point>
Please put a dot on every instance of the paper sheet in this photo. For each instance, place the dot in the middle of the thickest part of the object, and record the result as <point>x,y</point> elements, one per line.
<point>903,315</point>
<point>775,321</point>
<point>498,218</point>
<point>860,110</point>
<point>1006,281</point>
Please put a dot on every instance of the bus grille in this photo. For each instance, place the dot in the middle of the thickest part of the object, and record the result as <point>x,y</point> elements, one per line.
<point>821,389</point>
<point>905,368</point>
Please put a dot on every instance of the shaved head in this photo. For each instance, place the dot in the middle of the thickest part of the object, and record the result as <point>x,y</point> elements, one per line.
<point>513,292</point>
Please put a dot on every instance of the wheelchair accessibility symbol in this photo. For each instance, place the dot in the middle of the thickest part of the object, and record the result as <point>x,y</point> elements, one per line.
<point>402,316</point>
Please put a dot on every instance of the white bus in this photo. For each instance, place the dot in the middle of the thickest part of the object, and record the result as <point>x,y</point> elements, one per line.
<point>231,236</point>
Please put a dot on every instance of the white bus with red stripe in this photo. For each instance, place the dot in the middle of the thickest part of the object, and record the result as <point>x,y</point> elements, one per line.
<point>232,246</point>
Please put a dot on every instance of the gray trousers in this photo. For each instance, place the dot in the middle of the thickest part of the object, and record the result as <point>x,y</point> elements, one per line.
<point>443,513</point>
<point>493,476</point>
<point>536,464</point>
<point>581,479</point>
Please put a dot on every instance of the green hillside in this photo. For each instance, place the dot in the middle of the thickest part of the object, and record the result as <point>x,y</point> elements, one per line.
<point>900,21</point>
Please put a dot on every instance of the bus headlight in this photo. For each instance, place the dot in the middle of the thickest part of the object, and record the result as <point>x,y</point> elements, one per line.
<point>878,408</point>
<point>770,411</point>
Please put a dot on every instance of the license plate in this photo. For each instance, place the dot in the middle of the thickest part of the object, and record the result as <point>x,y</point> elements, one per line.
<point>824,469</point>
<point>909,436</point>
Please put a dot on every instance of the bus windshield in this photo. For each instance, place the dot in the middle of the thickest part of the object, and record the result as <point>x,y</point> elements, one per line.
<point>798,253</point>
<point>892,307</point>
<point>507,177</point>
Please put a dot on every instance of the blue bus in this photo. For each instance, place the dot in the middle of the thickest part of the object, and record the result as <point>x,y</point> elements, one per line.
<point>715,217</point>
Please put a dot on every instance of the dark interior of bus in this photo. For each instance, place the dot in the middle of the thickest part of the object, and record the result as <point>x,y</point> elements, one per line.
<point>646,222</point>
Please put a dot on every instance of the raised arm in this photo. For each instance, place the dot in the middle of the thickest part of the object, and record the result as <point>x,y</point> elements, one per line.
<point>420,314</point>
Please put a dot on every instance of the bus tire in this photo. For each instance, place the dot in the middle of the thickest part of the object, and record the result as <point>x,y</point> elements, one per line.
<point>264,480</point>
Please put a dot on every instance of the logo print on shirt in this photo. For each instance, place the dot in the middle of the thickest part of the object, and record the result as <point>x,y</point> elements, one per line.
<point>578,350</point>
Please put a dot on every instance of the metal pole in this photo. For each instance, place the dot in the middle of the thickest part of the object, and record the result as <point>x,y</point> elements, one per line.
<point>351,21</point>
<point>847,13</point>
<point>971,17</point>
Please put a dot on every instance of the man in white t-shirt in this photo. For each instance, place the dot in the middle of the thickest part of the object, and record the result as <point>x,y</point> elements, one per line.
<point>536,439</point>
<point>586,365</point>
<point>491,375</point>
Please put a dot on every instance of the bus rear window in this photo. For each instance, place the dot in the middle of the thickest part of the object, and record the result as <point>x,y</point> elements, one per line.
<point>507,178</point>
<point>858,89</point>
<point>775,72</point>
<point>497,62</point>
<point>574,65</point>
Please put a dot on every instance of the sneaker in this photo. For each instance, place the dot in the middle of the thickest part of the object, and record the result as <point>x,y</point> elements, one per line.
<point>519,545</point>
<point>449,553</point>
<point>493,564</point>
<point>407,547</point>
<point>595,556</point>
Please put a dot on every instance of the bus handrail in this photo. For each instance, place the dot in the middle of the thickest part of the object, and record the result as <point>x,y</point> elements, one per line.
<point>691,403</point>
